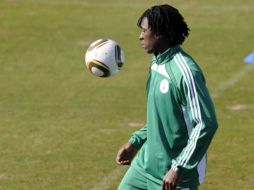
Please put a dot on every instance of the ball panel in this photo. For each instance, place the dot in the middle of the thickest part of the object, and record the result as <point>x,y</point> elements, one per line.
<point>98,68</point>
<point>118,56</point>
<point>97,44</point>
<point>97,71</point>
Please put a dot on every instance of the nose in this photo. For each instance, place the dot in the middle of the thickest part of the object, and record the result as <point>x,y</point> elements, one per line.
<point>141,36</point>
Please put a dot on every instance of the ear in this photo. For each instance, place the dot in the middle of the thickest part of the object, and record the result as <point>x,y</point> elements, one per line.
<point>157,36</point>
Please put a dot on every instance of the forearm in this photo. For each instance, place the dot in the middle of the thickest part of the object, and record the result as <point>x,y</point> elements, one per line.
<point>196,147</point>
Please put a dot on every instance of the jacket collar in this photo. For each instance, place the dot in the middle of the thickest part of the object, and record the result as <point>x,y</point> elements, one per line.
<point>166,55</point>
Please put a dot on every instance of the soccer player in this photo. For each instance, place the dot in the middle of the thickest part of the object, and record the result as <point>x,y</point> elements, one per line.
<point>169,152</point>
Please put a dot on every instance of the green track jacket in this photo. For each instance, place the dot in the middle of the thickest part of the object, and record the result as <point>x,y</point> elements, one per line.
<point>181,120</point>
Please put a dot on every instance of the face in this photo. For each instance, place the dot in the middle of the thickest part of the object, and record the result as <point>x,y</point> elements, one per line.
<point>149,41</point>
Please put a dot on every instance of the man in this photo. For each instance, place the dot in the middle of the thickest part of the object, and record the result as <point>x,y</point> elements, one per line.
<point>181,122</point>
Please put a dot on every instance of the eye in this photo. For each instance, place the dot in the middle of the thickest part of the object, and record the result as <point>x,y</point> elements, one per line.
<point>143,29</point>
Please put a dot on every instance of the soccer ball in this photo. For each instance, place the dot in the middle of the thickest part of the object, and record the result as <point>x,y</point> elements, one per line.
<point>104,58</point>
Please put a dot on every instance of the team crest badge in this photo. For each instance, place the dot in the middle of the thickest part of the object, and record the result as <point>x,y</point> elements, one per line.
<point>164,86</point>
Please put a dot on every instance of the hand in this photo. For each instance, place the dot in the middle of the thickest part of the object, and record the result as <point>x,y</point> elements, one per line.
<point>125,154</point>
<point>170,180</point>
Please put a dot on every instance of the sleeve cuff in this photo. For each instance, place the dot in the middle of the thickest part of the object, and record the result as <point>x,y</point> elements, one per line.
<point>134,143</point>
<point>175,167</point>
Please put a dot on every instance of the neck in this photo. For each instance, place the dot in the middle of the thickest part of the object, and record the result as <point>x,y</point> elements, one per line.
<point>164,45</point>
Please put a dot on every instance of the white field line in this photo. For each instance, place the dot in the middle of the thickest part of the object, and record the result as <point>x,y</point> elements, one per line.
<point>232,81</point>
<point>106,182</point>
<point>109,179</point>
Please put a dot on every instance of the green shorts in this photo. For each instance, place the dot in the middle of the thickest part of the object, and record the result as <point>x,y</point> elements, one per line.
<point>134,180</point>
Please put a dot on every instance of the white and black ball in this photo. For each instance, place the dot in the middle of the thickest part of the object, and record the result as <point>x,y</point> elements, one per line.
<point>104,58</point>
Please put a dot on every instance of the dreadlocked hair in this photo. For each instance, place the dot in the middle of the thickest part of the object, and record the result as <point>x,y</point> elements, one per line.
<point>166,21</point>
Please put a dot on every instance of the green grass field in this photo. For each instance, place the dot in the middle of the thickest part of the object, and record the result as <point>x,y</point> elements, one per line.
<point>60,127</point>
